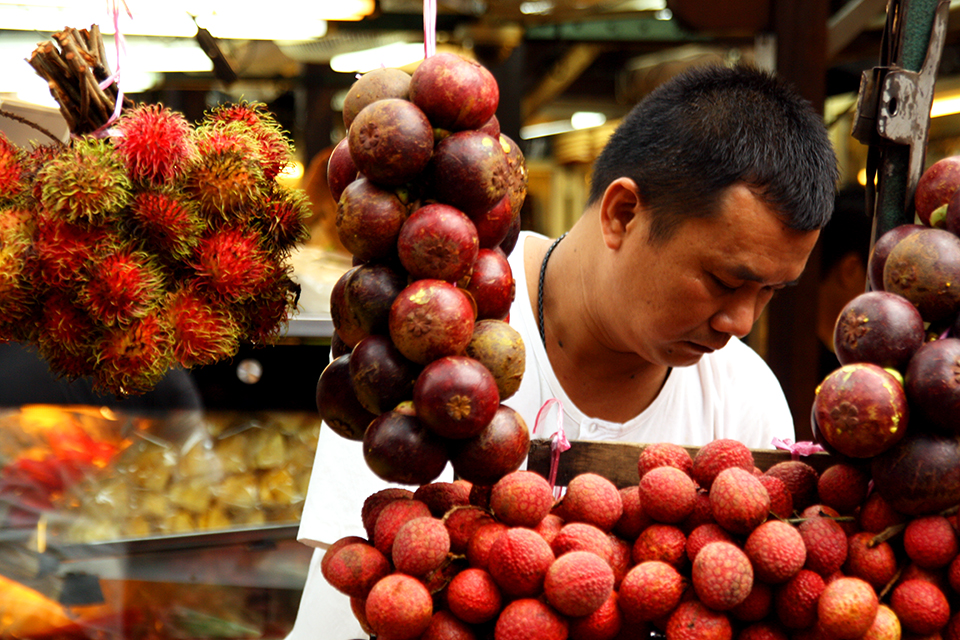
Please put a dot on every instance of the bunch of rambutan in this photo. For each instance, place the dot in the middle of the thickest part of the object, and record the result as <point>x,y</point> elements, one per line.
<point>164,244</point>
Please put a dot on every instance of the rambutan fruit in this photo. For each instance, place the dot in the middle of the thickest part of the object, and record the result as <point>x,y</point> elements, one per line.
<point>34,160</point>
<point>155,144</point>
<point>232,263</point>
<point>66,336</point>
<point>85,183</point>
<point>203,330</point>
<point>281,219</point>
<point>124,284</point>
<point>18,271</point>
<point>168,221</point>
<point>66,250</point>
<point>275,149</point>
<point>132,359</point>
<point>11,170</point>
<point>263,320</point>
<point>225,178</point>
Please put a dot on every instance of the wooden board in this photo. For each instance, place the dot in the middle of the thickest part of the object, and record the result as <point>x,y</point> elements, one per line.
<point>617,461</point>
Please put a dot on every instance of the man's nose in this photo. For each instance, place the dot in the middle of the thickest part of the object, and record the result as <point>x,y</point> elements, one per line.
<point>736,318</point>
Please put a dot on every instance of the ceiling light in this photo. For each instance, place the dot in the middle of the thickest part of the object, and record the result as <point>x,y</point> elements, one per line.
<point>398,54</point>
<point>587,119</point>
<point>945,105</point>
<point>579,120</point>
<point>536,7</point>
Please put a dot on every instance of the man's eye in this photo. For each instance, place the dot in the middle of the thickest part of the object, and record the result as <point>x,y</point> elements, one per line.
<point>721,284</point>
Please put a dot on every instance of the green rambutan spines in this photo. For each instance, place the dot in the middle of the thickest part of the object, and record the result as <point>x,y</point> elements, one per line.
<point>133,358</point>
<point>67,336</point>
<point>276,152</point>
<point>281,219</point>
<point>12,172</point>
<point>168,221</point>
<point>123,285</point>
<point>203,331</point>
<point>18,274</point>
<point>232,263</point>
<point>226,178</point>
<point>85,183</point>
<point>155,144</point>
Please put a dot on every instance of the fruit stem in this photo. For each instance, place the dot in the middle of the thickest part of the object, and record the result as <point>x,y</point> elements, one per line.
<point>886,534</point>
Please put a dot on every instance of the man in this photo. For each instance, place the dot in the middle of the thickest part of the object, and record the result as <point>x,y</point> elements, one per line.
<point>708,198</point>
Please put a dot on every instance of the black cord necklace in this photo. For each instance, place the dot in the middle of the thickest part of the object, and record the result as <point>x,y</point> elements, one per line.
<point>543,271</point>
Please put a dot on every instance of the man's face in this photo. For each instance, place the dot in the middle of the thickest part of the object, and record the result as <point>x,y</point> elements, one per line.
<point>707,282</point>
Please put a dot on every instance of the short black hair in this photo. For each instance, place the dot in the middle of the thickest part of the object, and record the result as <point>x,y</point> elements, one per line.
<point>707,129</point>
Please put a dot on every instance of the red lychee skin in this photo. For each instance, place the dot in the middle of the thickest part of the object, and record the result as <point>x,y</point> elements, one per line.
<point>399,607</point>
<point>704,535</point>
<point>876,514</point>
<point>155,144</point>
<point>795,602</point>
<point>843,486</point>
<point>577,583</point>
<point>375,502</point>
<point>757,605</point>
<point>549,527</point>
<point>667,494</point>
<point>702,513</point>
<point>649,591</point>
<point>446,626</point>
<point>664,454</point>
<point>920,606</point>
<point>936,577</point>
<point>521,499</point>
<point>621,558</point>
<point>953,574</point>
<point>580,536</point>
<point>593,499</point>
<point>358,606</point>
<point>664,542</point>
<point>847,608</point>
<point>519,560</point>
<point>336,546</point>
<point>692,620</point>
<point>776,550</point>
<point>876,564</point>
<point>479,494</point>
<point>930,541</point>
<point>529,619</point>
<point>603,624</point>
<point>781,500</point>
<point>634,519</point>
<point>762,631</point>
<point>952,631</point>
<point>826,544</point>
<point>715,456</point>
<point>738,500</point>
<point>801,480</point>
<point>393,516</point>
<point>440,497</point>
<point>353,569</point>
<point>478,549</point>
<point>722,575</point>
<point>473,596</point>
<point>462,523</point>
<point>885,626</point>
<point>420,546</point>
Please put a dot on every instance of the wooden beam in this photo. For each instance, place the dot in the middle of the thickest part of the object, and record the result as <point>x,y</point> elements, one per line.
<point>563,74</point>
<point>849,22</point>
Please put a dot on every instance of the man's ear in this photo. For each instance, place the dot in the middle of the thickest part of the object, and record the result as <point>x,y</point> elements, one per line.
<point>619,207</point>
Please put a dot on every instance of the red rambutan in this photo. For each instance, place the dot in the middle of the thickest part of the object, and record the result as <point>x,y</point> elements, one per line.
<point>34,161</point>
<point>281,219</point>
<point>65,250</point>
<point>132,359</point>
<point>123,285</point>
<point>87,182</point>
<point>232,263</point>
<point>18,271</point>
<point>171,223</point>
<point>11,170</point>
<point>263,320</point>
<point>275,149</point>
<point>203,331</point>
<point>155,143</point>
<point>225,177</point>
<point>66,336</point>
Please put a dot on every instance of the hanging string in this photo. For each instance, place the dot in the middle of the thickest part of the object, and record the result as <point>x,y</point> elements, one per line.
<point>558,441</point>
<point>429,28</point>
<point>120,43</point>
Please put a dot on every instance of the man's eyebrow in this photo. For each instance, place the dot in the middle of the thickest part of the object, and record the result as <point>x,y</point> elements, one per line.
<point>745,273</point>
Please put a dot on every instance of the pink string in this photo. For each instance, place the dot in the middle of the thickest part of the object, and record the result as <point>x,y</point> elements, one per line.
<point>429,28</point>
<point>558,441</point>
<point>120,43</point>
<point>798,449</point>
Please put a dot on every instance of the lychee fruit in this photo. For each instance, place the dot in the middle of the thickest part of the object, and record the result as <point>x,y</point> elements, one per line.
<point>549,527</point>
<point>757,605</point>
<point>473,596</point>
<point>634,519</point>
<point>795,602</point>
<point>667,494</point>
<point>462,523</point>
<point>875,563</point>
<point>715,456</point>
<point>393,516</point>
<point>354,568</point>
<point>519,560</point>
<point>781,500</point>
<point>953,574</point>
<point>593,499</point>
<point>664,454</point>
<point>446,626</point>
<point>440,497</point>
<point>722,575</point>
<point>664,542</point>
<point>336,546</point>
<point>603,624</point>
<point>876,514</point>
<point>930,541</point>
<point>580,536</point>
<point>704,535</point>
<point>420,546</point>
<point>847,608</point>
<point>826,544</point>
<point>577,583</point>
<point>521,499</point>
<point>702,513</point>
<point>478,549</point>
<point>621,558</point>
<point>530,619</point>
<point>692,620</point>
<point>886,626</point>
<point>399,607</point>
<point>843,486</point>
<point>375,502</point>
<point>776,550</point>
<point>801,480</point>
<point>738,500</point>
<point>649,591</point>
<point>920,606</point>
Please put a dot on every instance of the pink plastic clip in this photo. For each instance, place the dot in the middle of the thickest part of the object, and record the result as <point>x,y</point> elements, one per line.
<point>797,449</point>
<point>558,441</point>
<point>113,6</point>
<point>429,28</point>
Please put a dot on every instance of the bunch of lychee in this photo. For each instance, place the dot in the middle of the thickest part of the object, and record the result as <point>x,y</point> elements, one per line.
<point>161,244</point>
<point>704,547</point>
<point>429,194</point>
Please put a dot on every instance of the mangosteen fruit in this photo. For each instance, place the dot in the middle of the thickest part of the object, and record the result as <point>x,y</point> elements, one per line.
<point>438,241</point>
<point>924,268</point>
<point>454,92</point>
<point>936,186</point>
<point>398,448</point>
<point>932,382</point>
<point>469,171</point>
<point>881,251</point>
<point>382,377</point>
<point>494,224</point>
<point>346,323</point>
<point>431,319</point>
<point>921,474</point>
<point>500,448</point>
<point>369,293</point>
<point>369,219</point>
<point>455,397</point>
<point>377,84</point>
<point>341,169</point>
<point>492,285</point>
<point>878,327</point>
<point>337,402</point>
<point>499,347</point>
<point>391,141</point>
